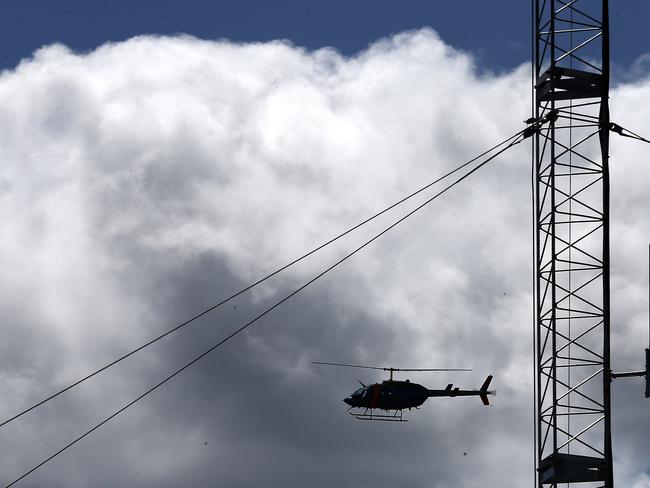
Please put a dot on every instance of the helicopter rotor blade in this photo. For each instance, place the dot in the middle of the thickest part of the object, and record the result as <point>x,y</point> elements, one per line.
<point>387,369</point>
<point>426,369</point>
<point>347,365</point>
<point>361,382</point>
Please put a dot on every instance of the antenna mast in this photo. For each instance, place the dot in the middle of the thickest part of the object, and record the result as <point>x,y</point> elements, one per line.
<point>573,414</point>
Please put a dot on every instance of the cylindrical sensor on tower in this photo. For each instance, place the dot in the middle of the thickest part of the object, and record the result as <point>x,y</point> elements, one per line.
<point>647,373</point>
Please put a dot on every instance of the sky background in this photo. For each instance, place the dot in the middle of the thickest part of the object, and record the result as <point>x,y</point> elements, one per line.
<point>143,180</point>
<point>498,37</point>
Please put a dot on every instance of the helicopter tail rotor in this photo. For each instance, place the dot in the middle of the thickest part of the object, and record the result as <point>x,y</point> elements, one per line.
<point>484,392</point>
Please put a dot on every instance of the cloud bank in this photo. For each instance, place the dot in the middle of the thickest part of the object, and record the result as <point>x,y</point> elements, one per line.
<point>145,180</point>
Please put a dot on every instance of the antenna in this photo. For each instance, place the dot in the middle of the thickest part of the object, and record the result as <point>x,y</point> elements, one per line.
<point>571,190</point>
<point>572,257</point>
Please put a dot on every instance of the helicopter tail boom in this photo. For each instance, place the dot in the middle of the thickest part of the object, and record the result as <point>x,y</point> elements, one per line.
<point>450,391</point>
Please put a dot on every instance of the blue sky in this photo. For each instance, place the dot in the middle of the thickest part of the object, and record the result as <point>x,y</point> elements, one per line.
<point>497,33</point>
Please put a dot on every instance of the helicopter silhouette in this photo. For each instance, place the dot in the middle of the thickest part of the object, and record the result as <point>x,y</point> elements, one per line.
<point>393,395</point>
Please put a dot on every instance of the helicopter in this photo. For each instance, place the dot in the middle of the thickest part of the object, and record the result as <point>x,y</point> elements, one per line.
<point>395,396</point>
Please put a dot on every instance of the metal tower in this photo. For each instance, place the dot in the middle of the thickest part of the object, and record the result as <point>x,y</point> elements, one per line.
<point>572,243</point>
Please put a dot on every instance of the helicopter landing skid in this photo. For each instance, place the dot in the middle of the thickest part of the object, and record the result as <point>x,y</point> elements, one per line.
<point>368,414</point>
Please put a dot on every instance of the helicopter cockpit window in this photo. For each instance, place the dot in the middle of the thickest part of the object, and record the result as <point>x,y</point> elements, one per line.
<point>358,392</point>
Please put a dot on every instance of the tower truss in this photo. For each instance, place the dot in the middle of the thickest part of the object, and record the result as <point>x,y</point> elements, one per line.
<point>571,70</point>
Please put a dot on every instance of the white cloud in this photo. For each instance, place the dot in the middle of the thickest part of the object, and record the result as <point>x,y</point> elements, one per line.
<point>147,178</point>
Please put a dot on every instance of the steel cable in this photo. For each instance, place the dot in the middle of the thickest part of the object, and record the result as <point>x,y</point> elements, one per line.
<point>253,285</point>
<point>516,139</point>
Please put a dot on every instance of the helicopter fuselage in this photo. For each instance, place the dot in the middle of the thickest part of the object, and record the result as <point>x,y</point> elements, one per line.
<point>389,395</point>
<point>398,395</point>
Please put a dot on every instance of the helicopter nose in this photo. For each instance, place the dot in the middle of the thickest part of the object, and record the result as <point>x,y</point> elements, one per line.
<point>348,400</point>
